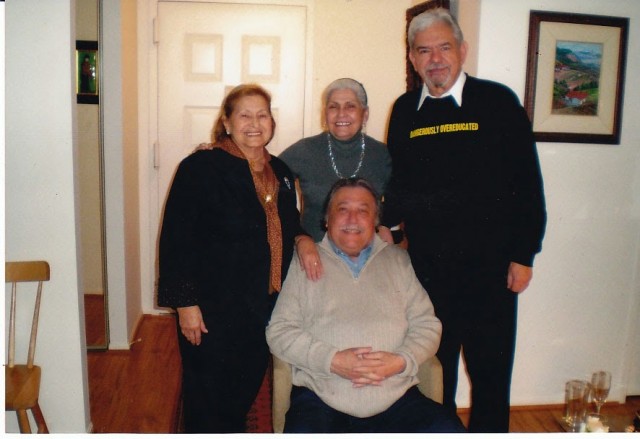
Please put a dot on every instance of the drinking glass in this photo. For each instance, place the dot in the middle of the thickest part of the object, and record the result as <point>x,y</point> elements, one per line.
<point>600,385</point>
<point>576,403</point>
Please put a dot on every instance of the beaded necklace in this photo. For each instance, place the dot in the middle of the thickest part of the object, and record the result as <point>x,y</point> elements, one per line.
<point>333,159</point>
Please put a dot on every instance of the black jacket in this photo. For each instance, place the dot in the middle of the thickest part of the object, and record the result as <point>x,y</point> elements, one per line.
<point>213,246</point>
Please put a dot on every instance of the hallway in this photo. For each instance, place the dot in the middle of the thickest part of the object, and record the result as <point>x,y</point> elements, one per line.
<point>138,391</point>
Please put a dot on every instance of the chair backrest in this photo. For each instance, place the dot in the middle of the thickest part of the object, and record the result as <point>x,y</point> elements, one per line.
<point>27,271</point>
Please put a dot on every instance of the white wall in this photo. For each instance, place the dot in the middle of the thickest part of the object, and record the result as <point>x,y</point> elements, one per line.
<point>364,40</point>
<point>40,196</point>
<point>130,166</point>
<point>582,309</point>
<point>122,274</point>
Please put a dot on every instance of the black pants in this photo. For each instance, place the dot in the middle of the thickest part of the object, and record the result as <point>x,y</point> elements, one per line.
<point>221,378</point>
<point>412,413</point>
<point>478,315</point>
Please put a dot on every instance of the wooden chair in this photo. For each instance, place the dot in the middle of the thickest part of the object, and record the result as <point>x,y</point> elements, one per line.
<point>429,374</point>
<point>22,381</point>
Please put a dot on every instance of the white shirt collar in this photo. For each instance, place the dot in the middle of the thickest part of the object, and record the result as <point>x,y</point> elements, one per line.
<point>455,91</point>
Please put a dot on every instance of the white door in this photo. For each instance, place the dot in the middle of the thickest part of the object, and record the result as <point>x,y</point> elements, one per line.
<point>205,49</point>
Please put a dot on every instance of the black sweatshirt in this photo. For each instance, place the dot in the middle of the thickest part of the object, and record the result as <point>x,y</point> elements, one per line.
<point>466,180</point>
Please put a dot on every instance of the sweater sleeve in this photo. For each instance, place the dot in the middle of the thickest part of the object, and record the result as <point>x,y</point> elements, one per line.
<point>286,335</point>
<point>393,213</point>
<point>291,157</point>
<point>423,334</point>
<point>529,215</point>
<point>177,285</point>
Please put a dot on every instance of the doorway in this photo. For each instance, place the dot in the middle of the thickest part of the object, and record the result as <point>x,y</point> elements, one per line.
<point>92,264</point>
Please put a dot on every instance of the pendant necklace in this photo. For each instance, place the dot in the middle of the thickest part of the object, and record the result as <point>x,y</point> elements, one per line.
<point>333,159</point>
<point>262,181</point>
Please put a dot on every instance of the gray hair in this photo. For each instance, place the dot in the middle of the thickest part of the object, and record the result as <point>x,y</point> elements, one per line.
<point>346,83</point>
<point>429,18</point>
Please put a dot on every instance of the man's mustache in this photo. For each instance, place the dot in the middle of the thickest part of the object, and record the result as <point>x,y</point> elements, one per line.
<point>352,228</point>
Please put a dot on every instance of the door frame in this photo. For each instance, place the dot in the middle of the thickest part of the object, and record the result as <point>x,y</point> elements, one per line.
<point>149,207</point>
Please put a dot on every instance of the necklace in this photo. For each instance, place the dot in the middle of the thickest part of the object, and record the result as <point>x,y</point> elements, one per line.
<point>265,186</point>
<point>333,159</point>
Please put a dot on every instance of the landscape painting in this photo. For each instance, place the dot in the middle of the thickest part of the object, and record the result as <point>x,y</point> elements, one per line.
<point>576,78</point>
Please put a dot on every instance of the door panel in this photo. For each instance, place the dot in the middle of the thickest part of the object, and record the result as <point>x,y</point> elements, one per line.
<point>205,49</point>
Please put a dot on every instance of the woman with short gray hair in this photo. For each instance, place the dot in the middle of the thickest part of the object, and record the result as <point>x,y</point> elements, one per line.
<point>342,150</point>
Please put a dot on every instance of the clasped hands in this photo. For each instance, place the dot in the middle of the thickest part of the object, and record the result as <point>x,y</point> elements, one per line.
<point>365,367</point>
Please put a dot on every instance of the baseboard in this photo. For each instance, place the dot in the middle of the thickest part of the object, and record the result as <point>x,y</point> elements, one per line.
<point>136,328</point>
<point>119,347</point>
<point>517,408</point>
<point>135,339</point>
<point>534,407</point>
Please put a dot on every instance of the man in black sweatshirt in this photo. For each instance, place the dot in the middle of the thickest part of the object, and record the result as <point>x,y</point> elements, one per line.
<point>466,184</point>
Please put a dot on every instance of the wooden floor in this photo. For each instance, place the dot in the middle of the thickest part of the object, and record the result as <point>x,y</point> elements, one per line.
<point>138,391</point>
<point>94,318</point>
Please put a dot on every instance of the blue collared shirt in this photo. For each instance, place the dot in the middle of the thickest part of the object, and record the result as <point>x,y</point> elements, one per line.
<point>354,266</point>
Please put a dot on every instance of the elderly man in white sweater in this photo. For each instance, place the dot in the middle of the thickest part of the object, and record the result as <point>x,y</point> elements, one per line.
<point>356,337</point>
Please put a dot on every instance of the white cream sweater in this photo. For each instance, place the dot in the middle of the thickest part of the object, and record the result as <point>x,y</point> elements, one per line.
<point>385,308</point>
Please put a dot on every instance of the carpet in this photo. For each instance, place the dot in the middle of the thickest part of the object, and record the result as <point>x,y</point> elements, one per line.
<point>259,417</point>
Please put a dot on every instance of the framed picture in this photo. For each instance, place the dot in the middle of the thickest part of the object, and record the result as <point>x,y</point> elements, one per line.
<point>87,72</point>
<point>575,76</point>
